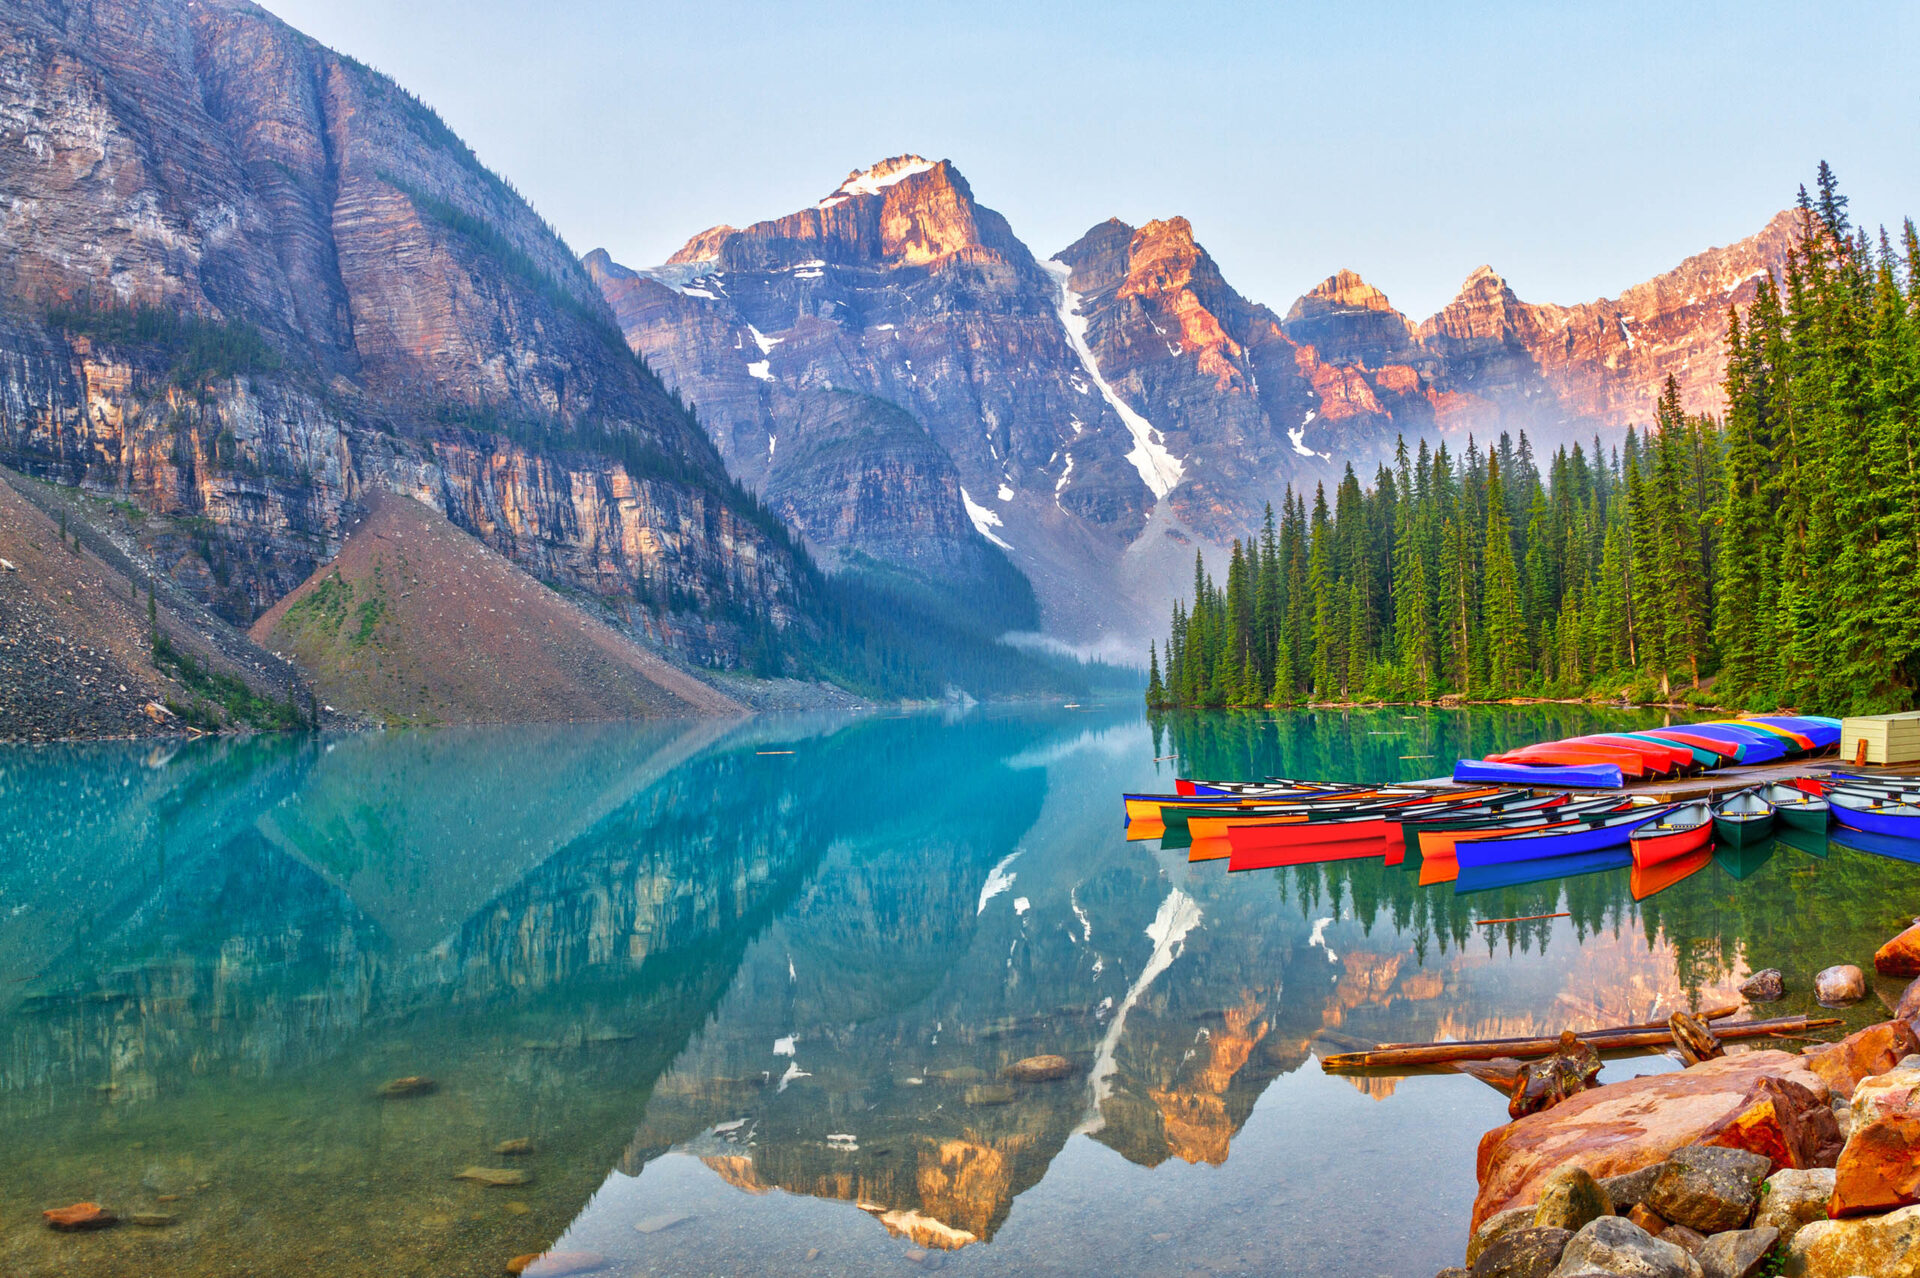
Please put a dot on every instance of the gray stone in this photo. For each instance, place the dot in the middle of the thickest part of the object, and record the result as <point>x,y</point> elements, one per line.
<point>1631,1189</point>
<point>1615,1245</point>
<point>1571,1200</point>
<point>1839,985</point>
<point>1708,1188</point>
<point>1765,986</point>
<point>1524,1253</point>
<point>1738,1253</point>
<point>1792,1198</point>
<point>1496,1227</point>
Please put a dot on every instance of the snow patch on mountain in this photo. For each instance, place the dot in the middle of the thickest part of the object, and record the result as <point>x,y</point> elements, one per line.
<point>876,179</point>
<point>1298,436</point>
<point>984,520</point>
<point>1159,469</point>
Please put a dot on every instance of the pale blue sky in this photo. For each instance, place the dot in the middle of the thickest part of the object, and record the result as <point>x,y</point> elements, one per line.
<point>1576,148</point>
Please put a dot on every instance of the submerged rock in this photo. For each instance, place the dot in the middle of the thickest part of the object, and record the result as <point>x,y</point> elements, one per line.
<point>553,1264</point>
<point>1840,985</point>
<point>1570,1200</point>
<point>154,1219</point>
<point>1525,1253</point>
<point>493,1177</point>
<point>518,1147</point>
<point>410,1086</point>
<point>1709,1188</point>
<point>1615,1245</point>
<point>664,1221</point>
<point>1793,1198</point>
<point>1738,1253</point>
<point>1884,1246</point>
<point>79,1216</point>
<point>1038,1069</point>
<point>989,1094</point>
<point>1765,986</point>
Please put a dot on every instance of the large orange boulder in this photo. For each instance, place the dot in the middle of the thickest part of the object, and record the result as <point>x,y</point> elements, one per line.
<point>1874,1050</point>
<point>1625,1126</point>
<point>1879,1169</point>
<point>1786,1122</point>
<point>1901,955</point>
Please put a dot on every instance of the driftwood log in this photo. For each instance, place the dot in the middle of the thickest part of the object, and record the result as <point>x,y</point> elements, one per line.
<point>1694,1038</point>
<point>1600,1041</point>
<point>1711,1014</point>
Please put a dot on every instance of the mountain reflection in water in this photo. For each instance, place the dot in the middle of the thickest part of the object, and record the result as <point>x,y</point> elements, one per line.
<point>752,1011</point>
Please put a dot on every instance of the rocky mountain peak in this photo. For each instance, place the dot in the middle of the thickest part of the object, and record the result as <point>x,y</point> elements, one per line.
<point>1349,321</point>
<point>872,181</point>
<point>1484,308</point>
<point>1164,257</point>
<point>1345,290</point>
<point>704,247</point>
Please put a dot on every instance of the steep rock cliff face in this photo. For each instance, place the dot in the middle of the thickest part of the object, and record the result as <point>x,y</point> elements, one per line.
<point>901,286</point>
<point>366,307</point>
<point>1215,374</point>
<point>1489,361</point>
<point>1600,365</point>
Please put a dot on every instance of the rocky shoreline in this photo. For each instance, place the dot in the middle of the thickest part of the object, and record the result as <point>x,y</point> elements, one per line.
<point>1763,1162</point>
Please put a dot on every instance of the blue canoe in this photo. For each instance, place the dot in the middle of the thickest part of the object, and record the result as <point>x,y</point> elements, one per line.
<point>1874,814</point>
<point>1483,878</point>
<point>1597,776</point>
<point>1593,834</point>
<point>1821,730</point>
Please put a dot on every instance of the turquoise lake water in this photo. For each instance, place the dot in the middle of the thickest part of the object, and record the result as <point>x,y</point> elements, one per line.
<point>746,991</point>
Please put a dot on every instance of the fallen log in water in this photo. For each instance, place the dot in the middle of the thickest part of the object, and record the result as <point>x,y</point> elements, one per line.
<point>1608,1041</point>
<point>1711,1014</point>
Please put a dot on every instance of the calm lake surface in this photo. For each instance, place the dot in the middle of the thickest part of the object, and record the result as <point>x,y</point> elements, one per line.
<point>747,989</point>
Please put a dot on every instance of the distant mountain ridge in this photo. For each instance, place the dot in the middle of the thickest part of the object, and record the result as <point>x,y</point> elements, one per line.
<point>1110,408</point>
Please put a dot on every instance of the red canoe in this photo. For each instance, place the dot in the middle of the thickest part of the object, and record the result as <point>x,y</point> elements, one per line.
<point>1688,828</point>
<point>1630,762</point>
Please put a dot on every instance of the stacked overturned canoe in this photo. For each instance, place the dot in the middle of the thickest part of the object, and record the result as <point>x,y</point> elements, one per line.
<point>1606,760</point>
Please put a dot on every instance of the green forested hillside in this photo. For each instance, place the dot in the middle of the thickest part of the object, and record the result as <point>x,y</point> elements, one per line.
<point>1774,552</point>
